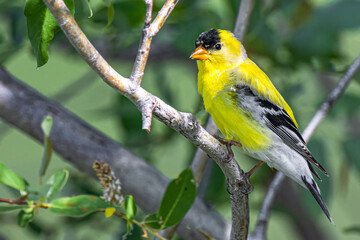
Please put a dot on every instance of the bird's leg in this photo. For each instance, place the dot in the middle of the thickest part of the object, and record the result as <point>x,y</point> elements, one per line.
<point>228,144</point>
<point>249,173</point>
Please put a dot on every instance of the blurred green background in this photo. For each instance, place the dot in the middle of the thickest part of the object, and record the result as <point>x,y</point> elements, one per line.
<point>303,46</point>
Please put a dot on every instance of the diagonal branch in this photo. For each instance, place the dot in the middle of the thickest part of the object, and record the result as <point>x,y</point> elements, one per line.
<point>261,226</point>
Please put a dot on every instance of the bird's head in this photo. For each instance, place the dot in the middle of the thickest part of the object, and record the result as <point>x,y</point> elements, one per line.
<point>219,47</point>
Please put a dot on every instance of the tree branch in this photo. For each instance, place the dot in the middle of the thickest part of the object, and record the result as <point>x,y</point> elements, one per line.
<point>200,159</point>
<point>68,92</point>
<point>243,17</point>
<point>261,226</point>
<point>80,144</point>
<point>144,48</point>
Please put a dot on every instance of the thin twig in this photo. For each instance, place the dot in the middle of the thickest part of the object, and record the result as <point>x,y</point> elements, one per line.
<point>144,48</point>
<point>261,226</point>
<point>262,222</point>
<point>149,31</point>
<point>331,99</point>
<point>12,201</point>
<point>243,17</point>
<point>161,17</point>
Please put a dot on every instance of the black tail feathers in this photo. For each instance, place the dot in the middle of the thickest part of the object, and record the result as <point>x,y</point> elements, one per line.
<point>316,194</point>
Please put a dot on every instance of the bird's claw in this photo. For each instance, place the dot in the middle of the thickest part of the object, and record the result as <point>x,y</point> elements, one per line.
<point>249,187</point>
<point>228,144</point>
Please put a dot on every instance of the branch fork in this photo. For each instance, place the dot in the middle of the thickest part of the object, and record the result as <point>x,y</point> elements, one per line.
<point>148,32</point>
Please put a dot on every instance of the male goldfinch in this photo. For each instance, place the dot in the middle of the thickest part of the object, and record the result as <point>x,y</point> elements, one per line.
<point>248,109</point>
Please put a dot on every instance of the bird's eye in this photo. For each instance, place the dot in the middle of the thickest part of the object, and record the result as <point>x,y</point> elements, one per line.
<point>218,46</point>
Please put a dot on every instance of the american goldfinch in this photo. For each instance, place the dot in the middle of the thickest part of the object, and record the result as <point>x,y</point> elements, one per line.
<point>248,109</point>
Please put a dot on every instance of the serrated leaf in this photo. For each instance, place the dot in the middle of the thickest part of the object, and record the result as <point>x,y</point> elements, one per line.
<point>56,182</point>
<point>11,179</point>
<point>78,206</point>
<point>42,27</point>
<point>12,207</point>
<point>130,207</point>
<point>46,126</point>
<point>25,216</point>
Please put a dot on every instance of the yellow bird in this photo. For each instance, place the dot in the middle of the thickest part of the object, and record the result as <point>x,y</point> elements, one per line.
<point>248,109</point>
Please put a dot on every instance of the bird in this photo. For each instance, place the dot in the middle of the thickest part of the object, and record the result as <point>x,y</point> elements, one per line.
<point>250,112</point>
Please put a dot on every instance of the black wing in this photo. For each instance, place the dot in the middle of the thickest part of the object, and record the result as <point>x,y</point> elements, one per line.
<point>280,123</point>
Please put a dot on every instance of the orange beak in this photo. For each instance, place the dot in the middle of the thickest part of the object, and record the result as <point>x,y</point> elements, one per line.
<point>200,53</point>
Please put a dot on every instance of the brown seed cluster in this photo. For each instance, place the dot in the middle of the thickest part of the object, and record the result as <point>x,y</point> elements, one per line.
<point>110,183</point>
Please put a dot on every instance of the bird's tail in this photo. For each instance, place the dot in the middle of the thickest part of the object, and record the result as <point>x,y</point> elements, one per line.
<point>313,188</point>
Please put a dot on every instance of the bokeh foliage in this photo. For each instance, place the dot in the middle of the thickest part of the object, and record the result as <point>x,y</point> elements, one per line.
<point>304,46</point>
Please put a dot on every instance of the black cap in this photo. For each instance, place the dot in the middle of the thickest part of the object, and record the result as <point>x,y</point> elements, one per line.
<point>208,39</point>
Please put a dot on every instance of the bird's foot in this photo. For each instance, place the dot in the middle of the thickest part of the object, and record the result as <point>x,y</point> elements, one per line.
<point>249,187</point>
<point>228,144</point>
<point>248,175</point>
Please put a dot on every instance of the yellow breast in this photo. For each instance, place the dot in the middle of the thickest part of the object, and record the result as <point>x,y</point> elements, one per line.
<point>234,123</point>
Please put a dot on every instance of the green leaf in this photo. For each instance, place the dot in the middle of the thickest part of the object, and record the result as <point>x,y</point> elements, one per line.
<point>42,27</point>
<point>177,200</point>
<point>12,207</point>
<point>25,216</point>
<point>56,182</point>
<point>90,9</point>
<point>10,178</point>
<point>111,13</point>
<point>78,206</point>
<point>130,207</point>
<point>46,128</point>
<point>46,125</point>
